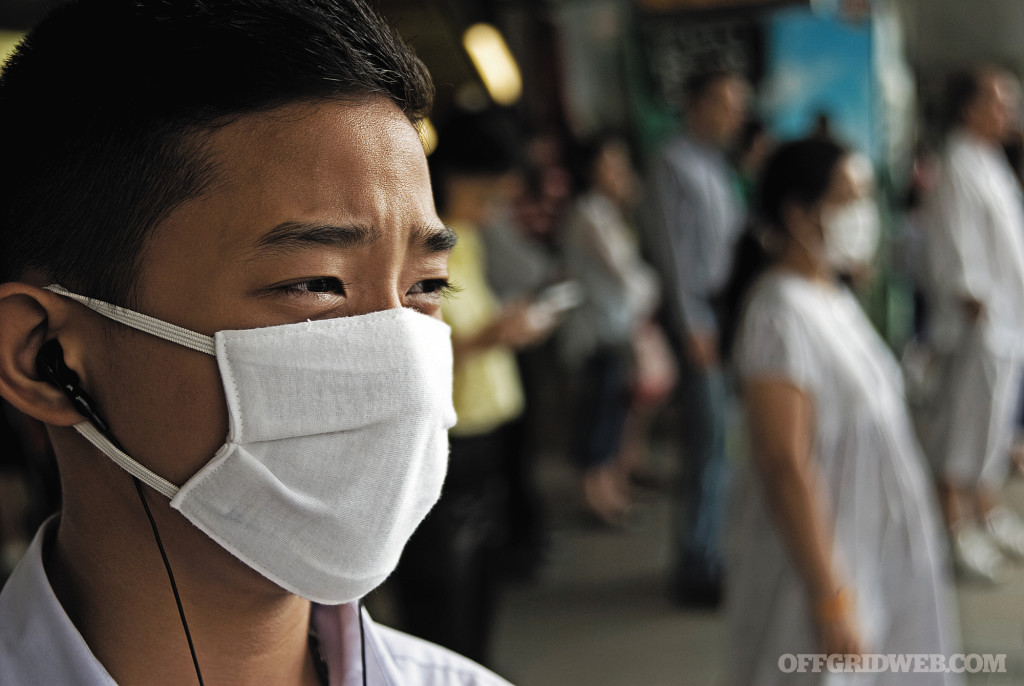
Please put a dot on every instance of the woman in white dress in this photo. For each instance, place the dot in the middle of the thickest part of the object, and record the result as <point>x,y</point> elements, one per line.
<point>837,545</point>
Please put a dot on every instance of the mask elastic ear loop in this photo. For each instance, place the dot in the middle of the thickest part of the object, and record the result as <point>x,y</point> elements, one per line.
<point>96,436</point>
<point>143,322</point>
<point>93,433</point>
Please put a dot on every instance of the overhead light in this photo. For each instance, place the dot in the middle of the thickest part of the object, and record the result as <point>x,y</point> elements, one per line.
<point>8,41</point>
<point>494,62</point>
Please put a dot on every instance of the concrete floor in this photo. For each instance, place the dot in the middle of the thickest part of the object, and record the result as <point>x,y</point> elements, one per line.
<point>598,615</point>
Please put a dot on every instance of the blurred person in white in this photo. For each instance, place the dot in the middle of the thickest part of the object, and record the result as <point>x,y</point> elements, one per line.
<point>221,275</point>
<point>620,294</point>
<point>696,218</point>
<point>836,544</point>
<point>975,250</point>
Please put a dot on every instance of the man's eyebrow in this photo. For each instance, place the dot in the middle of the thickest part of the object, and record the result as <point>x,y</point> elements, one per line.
<point>434,237</point>
<point>298,235</point>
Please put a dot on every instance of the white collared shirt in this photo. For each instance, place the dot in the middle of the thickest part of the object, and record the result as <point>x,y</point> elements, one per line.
<point>39,645</point>
<point>975,246</point>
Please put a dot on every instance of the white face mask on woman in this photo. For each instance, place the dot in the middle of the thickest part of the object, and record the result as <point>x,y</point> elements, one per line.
<point>851,234</point>
<point>337,445</point>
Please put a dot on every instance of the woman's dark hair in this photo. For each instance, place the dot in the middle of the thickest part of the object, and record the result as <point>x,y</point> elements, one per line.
<point>105,104</point>
<point>585,154</point>
<point>797,172</point>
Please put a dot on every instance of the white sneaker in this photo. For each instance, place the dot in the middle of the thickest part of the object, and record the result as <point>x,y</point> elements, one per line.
<point>977,558</point>
<point>1007,531</point>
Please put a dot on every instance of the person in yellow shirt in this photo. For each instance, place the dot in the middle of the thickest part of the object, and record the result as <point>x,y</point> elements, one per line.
<point>448,578</point>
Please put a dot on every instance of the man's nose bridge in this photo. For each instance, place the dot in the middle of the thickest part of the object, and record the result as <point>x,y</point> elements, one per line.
<point>384,293</point>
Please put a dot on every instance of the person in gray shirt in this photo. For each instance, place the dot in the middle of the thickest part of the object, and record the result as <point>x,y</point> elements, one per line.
<point>698,217</point>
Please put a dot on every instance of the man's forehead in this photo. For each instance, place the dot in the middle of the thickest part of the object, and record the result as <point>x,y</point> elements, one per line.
<point>735,87</point>
<point>310,131</point>
<point>1010,87</point>
<point>336,173</point>
<point>995,83</point>
<point>312,155</point>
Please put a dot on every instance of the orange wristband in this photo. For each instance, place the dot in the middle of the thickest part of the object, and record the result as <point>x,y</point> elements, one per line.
<point>835,607</point>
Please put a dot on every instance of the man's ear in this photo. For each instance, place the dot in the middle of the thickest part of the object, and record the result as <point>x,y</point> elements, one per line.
<point>29,317</point>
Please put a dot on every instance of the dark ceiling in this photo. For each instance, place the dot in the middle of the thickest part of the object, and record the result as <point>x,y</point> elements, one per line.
<point>21,14</point>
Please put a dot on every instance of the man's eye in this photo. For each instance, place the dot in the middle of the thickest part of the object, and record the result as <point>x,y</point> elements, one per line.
<point>324,284</point>
<point>440,287</point>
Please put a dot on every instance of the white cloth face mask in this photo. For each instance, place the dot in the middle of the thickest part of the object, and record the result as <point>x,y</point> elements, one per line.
<point>851,234</point>
<point>337,444</point>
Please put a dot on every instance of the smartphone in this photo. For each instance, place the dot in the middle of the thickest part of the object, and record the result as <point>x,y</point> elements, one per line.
<point>560,297</point>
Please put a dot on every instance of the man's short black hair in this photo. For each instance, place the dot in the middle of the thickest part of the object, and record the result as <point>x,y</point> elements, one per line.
<point>701,82</point>
<point>963,87</point>
<point>104,105</point>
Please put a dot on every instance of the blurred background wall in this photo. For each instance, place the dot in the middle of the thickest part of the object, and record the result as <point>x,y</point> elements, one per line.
<point>586,65</point>
<point>869,69</point>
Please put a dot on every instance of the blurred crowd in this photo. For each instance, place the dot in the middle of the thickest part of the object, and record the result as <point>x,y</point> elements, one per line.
<point>728,271</point>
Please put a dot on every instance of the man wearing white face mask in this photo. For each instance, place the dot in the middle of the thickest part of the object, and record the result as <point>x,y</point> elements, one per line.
<point>220,290</point>
<point>975,250</point>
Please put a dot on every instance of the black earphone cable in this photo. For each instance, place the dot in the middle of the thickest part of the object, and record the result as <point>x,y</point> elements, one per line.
<point>170,576</point>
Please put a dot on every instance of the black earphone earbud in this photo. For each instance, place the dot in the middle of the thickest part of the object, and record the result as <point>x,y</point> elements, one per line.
<point>51,367</point>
